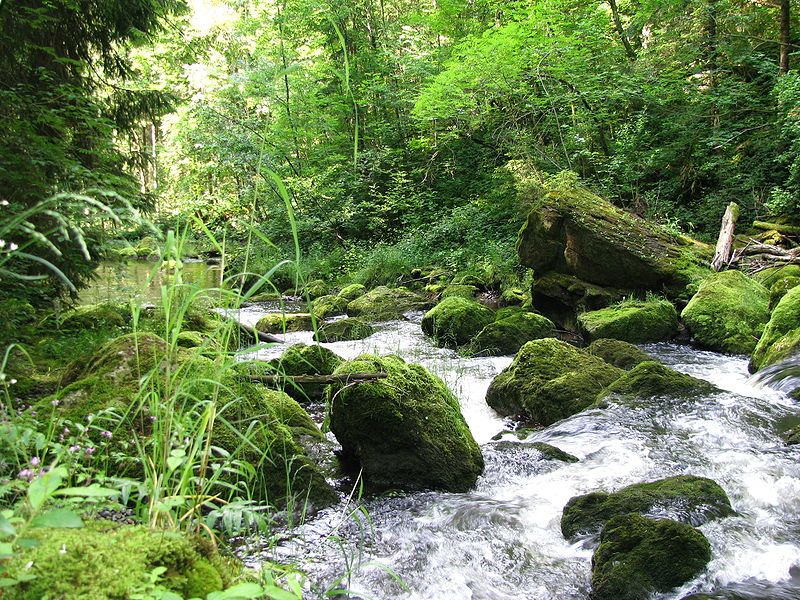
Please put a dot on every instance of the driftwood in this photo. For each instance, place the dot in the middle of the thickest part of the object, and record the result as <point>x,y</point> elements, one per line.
<point>321,379</point>
<point>259,335</point>
<point>755,256</point>
<point>722,254</point>
<point>779,227</point>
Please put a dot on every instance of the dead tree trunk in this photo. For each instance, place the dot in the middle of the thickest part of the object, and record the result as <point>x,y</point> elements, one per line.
<point>722,254</point>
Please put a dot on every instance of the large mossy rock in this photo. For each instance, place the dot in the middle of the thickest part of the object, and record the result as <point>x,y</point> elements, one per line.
<point>385,304</point>
<point>781,338</point>
<point>405,431</point>
<point>638,557</point>
<point>285,322</point>
<point>652,379</point>
<point>561,297</point>
<point>633,321</point>
<point>618,353</point>
<point>344,330</point>
<point>575,232</point>
<point>507,335</point>
<point>686,498</point>
<point>303,359</point>
<point>105,560</point>
<point>95,316</point>
<point>328,306</point>
<point>352,291</point>
<point>455,321</point>
<point>728,313</point>
<point>768,277</point>
<point>462,291</point>
<point>549,380</point>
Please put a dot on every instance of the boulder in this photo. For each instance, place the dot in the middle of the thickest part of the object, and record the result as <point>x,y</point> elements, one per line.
<point>328,306</point>
<point>632,321</point>
<point>461,291</point>
<point>285,322</point>
<point>651,379</point>
<point>385,304</point>
<point>405,431</point>
<point>780,288</point>
<point>315,289</point>
<point>455,321</point>
<point>513,297</point>
<point>768,277</point>
<point>781,338</point>
<point>685,498</point>
<point>302,359</point>
<point>549,380</point>
<point>560,297</point>
<point>96,316</point>
<point>352,291</point>
<point>618,353</point>
<point>728,313</point>
<point>344,330</point>
<point>552,453</point>
<point>508,335</point>
<point>638,557</point>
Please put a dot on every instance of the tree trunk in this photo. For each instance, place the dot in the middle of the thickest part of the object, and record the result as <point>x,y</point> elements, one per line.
<point>722,255</point>
<point>618,26</point>
<point>785,32</point>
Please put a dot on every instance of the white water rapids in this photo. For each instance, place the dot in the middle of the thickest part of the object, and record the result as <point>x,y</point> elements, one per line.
<point>503,541</point>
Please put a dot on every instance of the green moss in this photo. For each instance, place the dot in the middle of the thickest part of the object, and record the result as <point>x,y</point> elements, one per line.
<point>693,500</point>
<point>552,453</point>
<point>302,359</point>
<point>728,313</point>
<point>639,556</point>
<point>461,291</point>
<point>618,353</point>
<point>315,289</point>
<point>768,277</point>
<point>290,413</point>
<point>352,291</point>
<point>284,322</point>
<point>189,339</point>
<point>384,304</point>
<point>633,321</point>
<point>328,306</point>
<point>455,321</point>
<point>561,297</point>
<point>96,316</point>
<point>549,380</point>
<point>508,335</point>
<point>107,560</point>
<point>780,288</point>
<point>781,336</point>
<point>123,360</point>
<point>650,379</point>
<point>513,297</point>
<point>469,279</point>
<point>405,431</point>
<point>344,330</point>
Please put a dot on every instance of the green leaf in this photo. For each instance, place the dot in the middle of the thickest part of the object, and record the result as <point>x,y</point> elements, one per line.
<point>43,487</point>
<point>242,591</point>
<point>6,550</point>
<point>173,462</point>
<point>90,491</point>
<point>6,528</point>
<point>61,518</point>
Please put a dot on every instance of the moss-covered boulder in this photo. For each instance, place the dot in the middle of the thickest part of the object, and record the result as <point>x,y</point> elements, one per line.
<point>455,321</point>
<point>96,316</point>
<point>285,322</point>
<point>561,297</point>
<point>781,338</point>
<point>514,296</point>
<point>780,288</point>
<point>650,379</point>
<point>638,557</point>
<point>549,452</point>
<point>618,353</point>
<point>189,339</point>
<point>352,291</point>
<point>315,289</point>
<point>572,231</point>
<point>328,306</point>
<point>384,304</point>
<point>303,359</point>
<point>508,335</point>
<point>405,431</point>
<point>632,321</point>
<point>686,498</point>
<point>768,277</point>
<point>728,313</point>
<point>549,380</point>
<point>344,330</point>
<point>108,560</point>
<point>462,291</point>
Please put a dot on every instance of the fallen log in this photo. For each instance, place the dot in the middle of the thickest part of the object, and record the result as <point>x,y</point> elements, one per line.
<point>320,379</point>
<point>780,228</point>
<point>259,335</point>
<point>722,254</point>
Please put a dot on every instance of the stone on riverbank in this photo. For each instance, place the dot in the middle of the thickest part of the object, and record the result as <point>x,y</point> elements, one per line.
<point>303,359</point>
<point>344,330</point>
<point>285,322</point>
<point>507,335</point>
<point>328,306</point>
<point>650,379</point>
<point>455,321</point>
<point>632,321</point>
<point>618,353</point>
<point>781,337</point>
<point>385,304</point>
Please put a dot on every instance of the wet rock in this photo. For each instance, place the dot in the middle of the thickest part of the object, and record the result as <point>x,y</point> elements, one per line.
<point>549,380</point>
<point>638,556</point>
<point>405,431</point>
<point>728,313</point>
<point>507,335</point>
<point>344,330</point>
<point>303,359</point>
<point>686,498</point>
<point>328,306</point>
<point>285,322</point>
<point>455,321</point>
<point>561,297</point>
<point>618,353</point>
<point>513,297</point>
<point>384,304</point>
<point>315,289</point>
<point>632,321</point>
<point>781,338</point>
<point>352,291</point>
<point>650,379</point>
<point>552,453</point>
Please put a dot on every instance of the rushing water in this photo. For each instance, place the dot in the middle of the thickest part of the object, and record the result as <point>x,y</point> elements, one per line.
<point>503,541</point>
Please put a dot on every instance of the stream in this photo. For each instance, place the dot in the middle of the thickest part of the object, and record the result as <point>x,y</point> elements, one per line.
<point>502,540</point>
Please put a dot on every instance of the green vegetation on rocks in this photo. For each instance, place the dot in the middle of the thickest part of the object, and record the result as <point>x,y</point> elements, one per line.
<point>632,321</point>
<point>618,353</point>
<point>303,359</point>
<point>455,321</point>
<point>352,291</point>
<point>328,306</point>
<point>561,297</point>
<point>384,304</point>
<point>462,291</point>
<point>638,556</point>
<point>344,330</point>
<point>285,322</point>
<point>780,288</point>
<point>549,380</point>
<point>651,378</point>
<point>405,431</point>
<point>728,313</point>
<point>509,334</point>
<point>781,338</point>
<point>96,316</point>
<point>689,499</point>
<point>768,277</point>
<point>552,453</point>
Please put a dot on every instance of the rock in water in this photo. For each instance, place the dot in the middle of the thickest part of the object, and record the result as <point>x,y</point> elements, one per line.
<point>650,379</point>
<point>638,556</point>
<point>508,335</point>
<point>385,304</point>
<point>405,431</point>
<point>728,313</point>
<point>634,321</point>
<point>344,330</point>
<point>618,353</point>
<point>302,359</point>
<point>455,321</point>
<point>781,338</point>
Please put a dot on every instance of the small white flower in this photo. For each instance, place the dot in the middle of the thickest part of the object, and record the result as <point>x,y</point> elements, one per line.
<point>2,376</point>
<point>63,549</point>
<point>3,202</point>
<point>86,211</point>
<point>12,246</point>
<point>13,381</point>
<point>2,243</point>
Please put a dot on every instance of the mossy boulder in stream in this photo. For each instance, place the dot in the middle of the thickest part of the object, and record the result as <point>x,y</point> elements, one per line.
<point>462,291</point>
<point>638,557</point>
<point>285,322</point>
<point>405,431</point>
<point>650,379</point>
<point>768,277</point>
<point>385,304</point>
<point>108,560</point>
<point>781,338</point>
<point>344,330</point>
<point>632,321</point>
<point>618,353</point>
<point>780,288</point>
<point>549,380</point>
<point>509,334</point>
<point>686,498</point>
<point>352,291</point>
<point>303,359</point>
<point>328,306</point>
<point>96,316</point>
<point>455,321</point>
<point>728,313</point>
